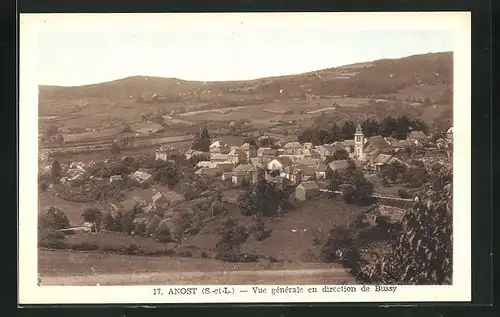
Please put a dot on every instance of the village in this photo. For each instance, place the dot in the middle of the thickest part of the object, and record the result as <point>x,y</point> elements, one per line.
<point>171,196</point>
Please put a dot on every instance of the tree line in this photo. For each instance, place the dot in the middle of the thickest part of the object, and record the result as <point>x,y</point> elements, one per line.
<point>395,127</point>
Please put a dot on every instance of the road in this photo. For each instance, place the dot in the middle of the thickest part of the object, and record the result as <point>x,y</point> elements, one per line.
<point>265,277</point>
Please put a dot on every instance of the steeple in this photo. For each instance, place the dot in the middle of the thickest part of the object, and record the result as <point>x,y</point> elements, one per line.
<point>359,142</point>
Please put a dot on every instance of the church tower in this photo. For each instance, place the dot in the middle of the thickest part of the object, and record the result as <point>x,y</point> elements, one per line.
<point>359,142</point>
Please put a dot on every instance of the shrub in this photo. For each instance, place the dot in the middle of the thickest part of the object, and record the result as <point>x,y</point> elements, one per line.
<point>54,219</point>
<point>403,193</point>
<point>84,246</point>
<point>185,254</point>
<point>53,244</point>
<point>204,255</point>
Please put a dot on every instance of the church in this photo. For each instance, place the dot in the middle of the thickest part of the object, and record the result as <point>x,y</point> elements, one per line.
<point>368,148</point>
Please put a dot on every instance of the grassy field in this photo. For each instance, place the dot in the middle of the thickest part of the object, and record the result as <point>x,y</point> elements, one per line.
<point>81,263</point>
<point>72,209</point>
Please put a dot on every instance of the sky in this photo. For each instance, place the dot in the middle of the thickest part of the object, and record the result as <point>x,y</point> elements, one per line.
<point>234,53</point>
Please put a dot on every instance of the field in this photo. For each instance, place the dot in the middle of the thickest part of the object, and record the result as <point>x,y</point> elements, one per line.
<point>79,268</point>
<point>72,209</point>
<point>267,102</point>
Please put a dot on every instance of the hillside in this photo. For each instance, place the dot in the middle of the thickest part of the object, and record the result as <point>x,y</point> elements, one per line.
<point>358,80</point>
<point>400,86</point>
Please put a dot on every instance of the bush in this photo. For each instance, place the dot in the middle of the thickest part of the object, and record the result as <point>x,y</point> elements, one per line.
<point>403,193</point>
<point>54,244</point>
<point>54,219</point>
<point>185,254</point>
<point>204,255</point>
<point>84,246</point>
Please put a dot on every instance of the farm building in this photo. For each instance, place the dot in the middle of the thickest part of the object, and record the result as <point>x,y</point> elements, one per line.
<point>306,190</point>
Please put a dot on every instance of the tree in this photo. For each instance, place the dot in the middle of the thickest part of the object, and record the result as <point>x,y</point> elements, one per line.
<point>54,219</point>
<point>421,253</point>
<point>92,215</point>
<point>232,236</point>
<point>335,181</point>
<point>115,149</point>
<point>169,176</point>
<point>259,229</point>
<point>55,174</point>
<point>340,154</point>
<point>263,197</point>
<point>202,141</point>
<point>108,222</point>
<point>363,189</point>
<point>348,129</point>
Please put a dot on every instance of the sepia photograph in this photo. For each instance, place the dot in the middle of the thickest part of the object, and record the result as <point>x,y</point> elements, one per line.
<point>238,149</point>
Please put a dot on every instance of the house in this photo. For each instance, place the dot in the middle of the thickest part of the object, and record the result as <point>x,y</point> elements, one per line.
<point>311,154</point>
<point>116,179</point>
<point>212,172</point>
<point>219,157</point>
<point>267,152</point>
<point>381,161</point>
<point>206,164</point>
<point>250,150</point>
<point>146,128</point>
<point>295,175</point>
<point>242,173</point>
<point>141,177</point>
<point>338,165</point>
<point>400,144</point>
<point>162,153</point>
<point>89,227</point>
<point>347,145</point>
<point>160,199</point>
<point>449,134</point>
<point>237,156</point>
<point>376,142</point>
<point>227,176</point>
<point>306,190</point>
<point>417,138</point>
<point>225,166</point>
<point>441,143</point>
<point>308,146</point>
<point>325,151</point>
<point>293,148</point>
<point>193,153</point>
<point>308,162</point>
<point>322,170</point>
<point>259,162</point>
<point>279,163</point>
<point>167,199</point>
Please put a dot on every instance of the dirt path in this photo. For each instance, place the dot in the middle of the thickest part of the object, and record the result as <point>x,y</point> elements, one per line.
<point>316,276</point>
